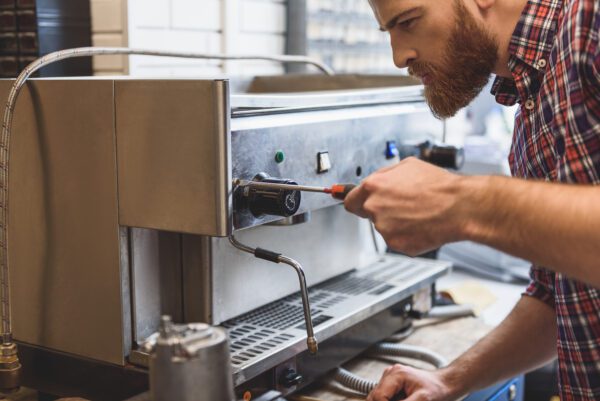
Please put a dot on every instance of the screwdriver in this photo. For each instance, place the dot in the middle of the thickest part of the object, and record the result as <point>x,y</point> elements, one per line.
<point>338,191</point>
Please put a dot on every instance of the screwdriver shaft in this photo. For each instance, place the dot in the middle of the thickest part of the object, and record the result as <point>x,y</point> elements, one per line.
<point>289,187</point>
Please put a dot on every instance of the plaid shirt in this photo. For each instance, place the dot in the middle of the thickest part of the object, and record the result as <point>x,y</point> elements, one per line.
<point>555,63</point>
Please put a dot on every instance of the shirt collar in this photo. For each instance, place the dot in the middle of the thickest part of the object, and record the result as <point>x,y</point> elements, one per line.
<point>531,42</point>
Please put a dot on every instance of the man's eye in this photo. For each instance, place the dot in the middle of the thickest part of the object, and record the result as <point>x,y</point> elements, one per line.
<point>409,23</point>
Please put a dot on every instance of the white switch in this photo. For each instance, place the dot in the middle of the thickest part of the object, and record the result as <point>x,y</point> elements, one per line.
<point>323,162</point>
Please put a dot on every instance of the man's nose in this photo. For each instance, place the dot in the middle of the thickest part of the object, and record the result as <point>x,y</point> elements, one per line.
<point>403,54</point>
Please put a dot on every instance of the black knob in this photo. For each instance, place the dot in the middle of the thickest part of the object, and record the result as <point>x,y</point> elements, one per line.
<point>447,157</point>
<point>290,378</point>
<point>443,156</point>
<point>276,202</point>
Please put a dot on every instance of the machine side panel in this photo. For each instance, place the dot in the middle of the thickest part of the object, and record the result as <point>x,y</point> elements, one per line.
<point>64,235</point>
<point>173,153</point>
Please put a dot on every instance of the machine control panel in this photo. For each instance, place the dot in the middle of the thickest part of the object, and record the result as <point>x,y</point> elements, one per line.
<point>317,149</point>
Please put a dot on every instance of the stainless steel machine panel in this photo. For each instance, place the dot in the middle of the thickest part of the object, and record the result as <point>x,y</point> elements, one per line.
<point>121,202</point>
<point>354,139</point>
<point>275,333</point>
<point>70,287</point>
<point>333,242</point>
<point>270,335</point>
<point>174,155</point>
<point>299,83</point>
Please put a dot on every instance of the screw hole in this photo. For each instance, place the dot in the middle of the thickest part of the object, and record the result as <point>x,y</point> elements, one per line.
<point>358,171</point>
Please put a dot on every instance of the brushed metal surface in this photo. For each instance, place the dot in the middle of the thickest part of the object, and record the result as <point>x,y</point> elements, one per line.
<point>354,137</point>
<point>156,273</point>
<point>270,335</point>
<point>67,279</point>
<point>401,277</point>
<point>311,82</point>
<point>104,185</point>
<point>126,290</point>
<point>197,278</point>
<point>333,242</point>
<point>328,99</point>
<point>173,157</point>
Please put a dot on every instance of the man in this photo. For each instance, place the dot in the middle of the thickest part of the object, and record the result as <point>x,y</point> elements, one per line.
<point>546,57</point>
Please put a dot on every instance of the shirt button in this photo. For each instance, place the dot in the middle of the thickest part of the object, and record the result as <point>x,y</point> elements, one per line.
<point>541,63</point>
<point>529,104</point>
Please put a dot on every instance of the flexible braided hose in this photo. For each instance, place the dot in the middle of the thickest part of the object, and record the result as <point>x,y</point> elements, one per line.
<point>50,58</point>
<point>354,382</point>
<point>410,351</point>
<point>365,386</point>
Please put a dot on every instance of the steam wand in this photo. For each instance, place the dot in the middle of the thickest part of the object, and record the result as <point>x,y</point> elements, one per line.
<point>275,257</point>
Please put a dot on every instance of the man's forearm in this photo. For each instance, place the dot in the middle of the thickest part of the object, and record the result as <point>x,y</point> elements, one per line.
<point>525,340</point>
<point>554,225</point>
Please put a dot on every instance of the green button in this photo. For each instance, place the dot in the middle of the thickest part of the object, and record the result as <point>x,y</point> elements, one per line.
<point>279,156</point>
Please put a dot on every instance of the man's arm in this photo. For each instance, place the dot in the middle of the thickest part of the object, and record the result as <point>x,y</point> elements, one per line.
<point>419,207</point>
<point>525,340</point>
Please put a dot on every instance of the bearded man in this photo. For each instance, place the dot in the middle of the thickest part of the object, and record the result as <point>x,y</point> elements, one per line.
<point>546,57</point>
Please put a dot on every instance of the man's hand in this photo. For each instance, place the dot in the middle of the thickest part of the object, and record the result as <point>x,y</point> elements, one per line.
<point>414,205</point>
<point>525,340</point>
<point>419,385</point>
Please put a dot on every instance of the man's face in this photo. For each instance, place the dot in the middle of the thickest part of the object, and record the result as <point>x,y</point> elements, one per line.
<point>441,42</point>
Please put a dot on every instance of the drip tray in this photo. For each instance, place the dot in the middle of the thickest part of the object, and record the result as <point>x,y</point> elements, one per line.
<point>271,334</point>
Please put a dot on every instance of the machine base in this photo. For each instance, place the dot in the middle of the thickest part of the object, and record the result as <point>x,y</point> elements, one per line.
<point>332,352</point>
<point>68,376</point>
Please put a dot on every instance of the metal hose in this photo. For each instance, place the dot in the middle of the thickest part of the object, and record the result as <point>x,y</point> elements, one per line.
<point>365,386</point>
<point>50,58</point>
<point>354,382</point>
<point>410,351</point>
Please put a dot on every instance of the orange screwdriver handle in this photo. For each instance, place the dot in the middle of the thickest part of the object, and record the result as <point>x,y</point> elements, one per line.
<point>339,191</point>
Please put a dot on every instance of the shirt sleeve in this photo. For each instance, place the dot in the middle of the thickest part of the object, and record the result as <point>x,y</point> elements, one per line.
<point>541,285</point>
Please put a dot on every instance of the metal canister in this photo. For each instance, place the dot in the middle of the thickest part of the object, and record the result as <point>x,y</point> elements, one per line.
<point>191,363</point>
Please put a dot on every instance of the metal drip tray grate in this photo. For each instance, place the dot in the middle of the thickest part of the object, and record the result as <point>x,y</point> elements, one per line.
<point>261,338</point>
<point>278,315</point>
<point>350,285</point>
<point>265,328</point>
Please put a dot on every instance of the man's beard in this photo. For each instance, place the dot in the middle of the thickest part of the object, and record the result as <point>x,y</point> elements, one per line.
<point>468,61</point>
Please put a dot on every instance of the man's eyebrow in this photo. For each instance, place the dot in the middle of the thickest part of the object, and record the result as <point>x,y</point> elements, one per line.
<point>390,24</point>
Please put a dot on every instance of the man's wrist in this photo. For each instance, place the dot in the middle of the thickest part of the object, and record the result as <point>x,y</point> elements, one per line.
<point>454,382</point>
<point>475,206</point>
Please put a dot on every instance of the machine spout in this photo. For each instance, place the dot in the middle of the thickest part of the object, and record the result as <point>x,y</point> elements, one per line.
<point>311,341</point>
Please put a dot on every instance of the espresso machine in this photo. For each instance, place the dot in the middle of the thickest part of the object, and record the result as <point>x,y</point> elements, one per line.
<point>124,208</point>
